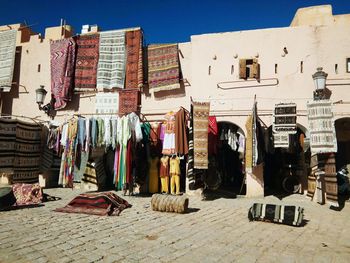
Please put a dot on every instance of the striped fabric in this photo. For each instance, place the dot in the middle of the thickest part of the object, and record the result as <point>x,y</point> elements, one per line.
<point>134,70</point>
<point>284,124</point>
<point>321,125</point>
<point>163,67</point>
<point>189,173</point>
<point>7,145</point>
<point>284,214</point>
<point>200,134</point>
<point>111,64</point>
<point>7,58</point>
<point>62,71</point>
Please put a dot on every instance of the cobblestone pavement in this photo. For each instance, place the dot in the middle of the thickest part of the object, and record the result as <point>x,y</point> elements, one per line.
<point>213,231</point>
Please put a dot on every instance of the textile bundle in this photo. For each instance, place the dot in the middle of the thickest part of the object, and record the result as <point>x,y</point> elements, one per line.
<point>200,134</point>
<point>129,101</point>
<point>163,67</point>
<point>62,71</point>
<point>107,102</point>
<point>284,214</point>
<point>321,125</point>
<point>111,62</point>
<point>284,123</point>
<point>86,63</point>
<point>7,55</point>
<point>104,203</point>
<point>20,149</point>
<point>134,69</point>
<point>27,194</point>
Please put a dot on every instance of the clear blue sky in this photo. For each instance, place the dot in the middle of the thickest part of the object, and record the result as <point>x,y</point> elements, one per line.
<point>163,21</point>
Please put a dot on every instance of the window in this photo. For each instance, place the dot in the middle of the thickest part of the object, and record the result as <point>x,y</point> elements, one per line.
<point>39,67</point>
<point>301,66</point>
<point>249,68</point>
<point>276,68</point>
<point>209,70</point>
<point>232,69</point>
<point>336,68</point>
<point>348,65</point>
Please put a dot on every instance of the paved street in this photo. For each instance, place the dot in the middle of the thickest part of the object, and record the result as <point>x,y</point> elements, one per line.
<point>213,231</point>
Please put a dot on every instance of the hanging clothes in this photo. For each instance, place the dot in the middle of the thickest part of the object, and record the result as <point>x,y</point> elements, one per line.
<point>169,136</point>
<point>164,174</point>
<point>175,172</point>
<point>181,141</point>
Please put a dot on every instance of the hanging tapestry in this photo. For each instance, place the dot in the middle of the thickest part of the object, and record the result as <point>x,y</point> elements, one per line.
<point>129,101</point>
<point>111,61</point>
<point>102,204</point>
<point>62,71</point>
<point>163,67</point>
<point>249,144</point>
<point>212,135</point>
<point>134,70</point>
<point>200,134</point>
<point>7,61</point>
<point>86,63</point>
<point>321,124</point>
<point>7,145</point>
<point>28,153</point>
<point>189,168</point>
<point>107,102</point>
<point>285,116</point>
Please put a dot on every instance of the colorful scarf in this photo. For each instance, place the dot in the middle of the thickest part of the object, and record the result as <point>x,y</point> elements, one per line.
<point>321,125</point>
<point>200,133</point>
<point>134,70</point>
<point>111,62</point>
<point>7,55</point>
<point>86,63</point>
<point>163,67</point>
<point>129,101</point>
<point>62,71</point>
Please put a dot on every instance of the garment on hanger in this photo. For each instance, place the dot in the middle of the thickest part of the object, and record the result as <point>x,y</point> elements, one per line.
<point>181,141</point>
<point>164,174</point>
<point>169,136</point>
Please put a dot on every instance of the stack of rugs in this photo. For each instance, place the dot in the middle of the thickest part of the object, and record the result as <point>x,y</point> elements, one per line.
<point>284,124</point>
<point>283,214</point>
<point>20,150</point>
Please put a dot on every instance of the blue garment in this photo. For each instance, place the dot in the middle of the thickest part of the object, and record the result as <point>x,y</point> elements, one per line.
<point>93,133</point>
<point>81,131</point>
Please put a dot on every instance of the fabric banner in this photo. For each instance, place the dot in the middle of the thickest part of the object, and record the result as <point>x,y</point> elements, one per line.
<point>321,124</point>
<point>285,116</point>
<point>7,58</point>
<point>163,67</point>
<point>107,102</point>
<point>200,134</point>
<point>86,63</point>
<point>134,65</point>
<point>129,101</point>
<point>62,71</point>
<point>7,145</point>
<point>112,59</point>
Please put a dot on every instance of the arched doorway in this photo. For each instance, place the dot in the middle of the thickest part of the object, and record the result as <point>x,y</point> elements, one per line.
<point>226,158</point>
<point>342,128</point>
<point>286,168</point>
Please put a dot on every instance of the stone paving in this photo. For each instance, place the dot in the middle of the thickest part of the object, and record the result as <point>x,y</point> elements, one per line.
<point>213,231</point>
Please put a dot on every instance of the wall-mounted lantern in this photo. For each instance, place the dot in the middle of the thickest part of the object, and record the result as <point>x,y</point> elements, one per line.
<point>320,79</point>
<point>40,98</point>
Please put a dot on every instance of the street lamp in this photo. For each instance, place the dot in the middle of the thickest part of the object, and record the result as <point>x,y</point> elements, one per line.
<point>321,92</point>
<point>40,98</point>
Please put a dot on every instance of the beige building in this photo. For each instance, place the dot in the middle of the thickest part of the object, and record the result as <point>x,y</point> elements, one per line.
<point>228,69</point>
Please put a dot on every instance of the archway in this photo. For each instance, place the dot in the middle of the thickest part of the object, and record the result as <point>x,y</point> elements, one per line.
<point>342,128</point>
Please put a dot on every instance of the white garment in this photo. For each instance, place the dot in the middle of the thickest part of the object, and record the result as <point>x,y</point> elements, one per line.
<point>134,123</point>
<point>169,141</point>
<point>107,137</point>
<point>87,135</point>
<point>64,135</point>
<point>114,123</point>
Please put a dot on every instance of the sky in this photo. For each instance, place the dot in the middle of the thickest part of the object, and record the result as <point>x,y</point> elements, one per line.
<point>163,21</point>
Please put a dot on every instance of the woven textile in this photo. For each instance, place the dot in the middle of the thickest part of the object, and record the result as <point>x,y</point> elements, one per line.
<point>189,168</point>
<point>200,134</point>
<point>163,67</point>
<point>7,145</point>
<point>107,102</point>
<point>284,124</point>
<point>111,62</point>
<point>134,70</point>
<point>284,214</point>
<point>86,63</point>
<point>62,71</point>
<point>104,203</point>
<point>7,58</point>
<point>129,101</point>
<point>28,153</point>
<point>27,194</point>
<point>321,125</point>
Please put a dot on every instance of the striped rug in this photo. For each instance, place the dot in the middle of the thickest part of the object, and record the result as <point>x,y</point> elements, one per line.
<point>112,59</point>
<point>62,71</point>
<point>163,67</point>
<point>7,58</point>
<point>134,70</point>
<point>86,63</point>
<point>7,145</point>
<point>200,134</point>
<point>284,123</point>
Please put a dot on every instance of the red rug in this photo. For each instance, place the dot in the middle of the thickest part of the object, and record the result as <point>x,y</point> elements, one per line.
<point>134,70</point>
